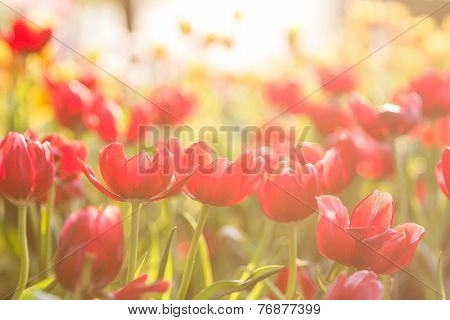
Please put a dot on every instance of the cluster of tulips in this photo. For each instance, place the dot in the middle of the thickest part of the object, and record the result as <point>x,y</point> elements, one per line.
<point>289,181</point>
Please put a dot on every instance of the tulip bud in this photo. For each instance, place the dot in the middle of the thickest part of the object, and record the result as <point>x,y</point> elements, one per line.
<point>362,285</point>
<point>90,232</point>
<point>290,194</point>
<point>27,169</point>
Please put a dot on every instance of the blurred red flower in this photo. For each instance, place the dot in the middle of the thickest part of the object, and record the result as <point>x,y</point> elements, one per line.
<point>137,178</point>
<point>25,38</point>
<point>167,105</point>
<point>92,232</point>
<point>289,194</point>
<point>306,284</point>
<point>361,285</point>
<point>337,79</point>
<point>328,118</point>
<point>221,182</point>
<point>336,168</point>
<point>137,288</point>
<point>443,172</point>
<point>434,88</point>
<point>65,152</point>
<point>27,168</point>
<point>284,95</point>
<point>366,240</point>
<point>392,119</point>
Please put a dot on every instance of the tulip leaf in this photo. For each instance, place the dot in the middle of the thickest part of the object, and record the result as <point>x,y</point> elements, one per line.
<point>36,291</point>
<point>165,254</point>
<point>203,253</point>
<point>225,287</point>
<point>141,264</point>
<point>440,277</point>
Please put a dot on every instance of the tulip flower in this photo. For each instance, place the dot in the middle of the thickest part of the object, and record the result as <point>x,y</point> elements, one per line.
<point>27,172</point>
<point>138,179</point>
<point>366,240</point>
<point>288,196</point>
<point>337,79</point>
<point>167,105</point>
<point>337,166</point>
<point>101,117</point>
<point>70,100</point>
<point>90,250</point>
<point>328,118</point>
<point>306,284</point>
<point>284,96</point>
<point>218,182</point>
<point>361,285</point>
<point>221,182</point>
<point>434,89</point>
<point>25,38</point>
<point>443,172</point>
<point>391,120</point>
<point>137,288</point>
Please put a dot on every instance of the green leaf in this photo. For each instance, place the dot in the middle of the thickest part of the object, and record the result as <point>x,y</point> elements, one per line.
<point>141,264</point>
<point>440,277</point>
<point>36,292</point>
<point>165,254</point>
<point>224,287</point>
<point>203,253</point>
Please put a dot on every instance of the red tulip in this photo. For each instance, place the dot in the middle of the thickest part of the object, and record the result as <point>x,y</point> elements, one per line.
<point>221,182</point>
<point>101,117</point>
<point>443,172</point>
<point>27,169</point>
<point>337,166</point>
<point>361,285</point>
<point>25,38</point>
<point>137,178</point>
<point>289,195</point>
<point>366,240</point>
<point>137,288</point>
<point>70,100</point>
<point>391,120</point>
<point>433,132</point>
<point>337,79</point>
<point>328,118</point>
<point>284,96</point>
<point>65,152</point>
<point>94,233</point>
<point>139,116</point>
<point>434,88</point>
<point>306,284</point>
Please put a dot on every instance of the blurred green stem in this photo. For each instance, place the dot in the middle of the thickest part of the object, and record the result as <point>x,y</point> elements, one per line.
<point>189,266</point>
<point>45,234</point>
<point>292,279</point>
<point>262,244</point>
<point>133,242</point>
<point>24,259</point>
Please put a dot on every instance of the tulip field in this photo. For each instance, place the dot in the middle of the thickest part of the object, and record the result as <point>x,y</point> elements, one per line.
<point>153,176</point>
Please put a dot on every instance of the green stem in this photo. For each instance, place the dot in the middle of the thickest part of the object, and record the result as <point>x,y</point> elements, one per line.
<point>24,259</point>
<point>292,279</point>
<point>45,234</point>
<point>134,237</point>
<point>254,261</point>
<point>189,266</point>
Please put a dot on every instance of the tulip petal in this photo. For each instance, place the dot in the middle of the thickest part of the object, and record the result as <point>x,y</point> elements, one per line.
<point>111,160</point>
<point>332,239</point>
<point>375,210</point>
<point>89,173</point>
